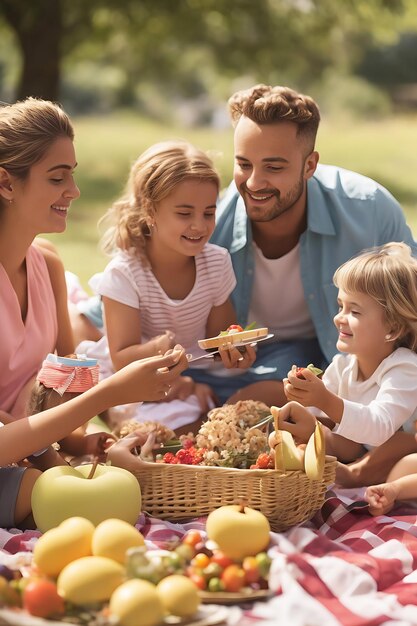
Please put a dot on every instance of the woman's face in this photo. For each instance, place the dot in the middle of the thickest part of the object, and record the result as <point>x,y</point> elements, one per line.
<point>41,202</point>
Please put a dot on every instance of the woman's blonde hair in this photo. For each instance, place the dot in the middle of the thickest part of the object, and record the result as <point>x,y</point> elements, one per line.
<point>153,176</point>
<point>388,274</point>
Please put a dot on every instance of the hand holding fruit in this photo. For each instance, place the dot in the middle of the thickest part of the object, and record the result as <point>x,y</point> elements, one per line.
<point>122,453</point>
<point>297,420</point>
<point>304,386</point>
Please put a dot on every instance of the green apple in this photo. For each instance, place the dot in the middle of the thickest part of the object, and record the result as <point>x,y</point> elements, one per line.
<point>62,492</point>
<point>238,530</point>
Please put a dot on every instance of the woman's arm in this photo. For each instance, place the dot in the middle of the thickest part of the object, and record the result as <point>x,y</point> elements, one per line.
<point>124,335</point>
<point>146,380</point>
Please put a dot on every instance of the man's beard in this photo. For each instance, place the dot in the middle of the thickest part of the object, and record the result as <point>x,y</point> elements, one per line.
<point>280,206</point>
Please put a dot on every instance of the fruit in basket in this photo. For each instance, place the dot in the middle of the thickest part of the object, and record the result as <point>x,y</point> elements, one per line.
<point>41,598</point>
<point>238,530</point>
<point>113,537</point>
<point>233,578</point>
<point>90,579</point>
<point>140,563</point>
<point>136,603</point>
<point>292,455</point>
<point>315,454</point>
<point>62,492</point>
<point>59,546</point>
<point>179,595</point>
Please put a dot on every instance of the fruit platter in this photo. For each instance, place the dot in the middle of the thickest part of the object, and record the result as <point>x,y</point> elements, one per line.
<point>105,575</point>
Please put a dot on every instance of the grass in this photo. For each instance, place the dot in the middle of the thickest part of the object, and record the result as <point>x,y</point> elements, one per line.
<point>107,146</point>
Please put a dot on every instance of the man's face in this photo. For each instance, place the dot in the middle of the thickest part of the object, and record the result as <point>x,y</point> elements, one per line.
<point>272,166</point>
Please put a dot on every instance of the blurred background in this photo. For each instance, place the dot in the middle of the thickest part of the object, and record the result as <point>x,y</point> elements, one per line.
<point>133,72</point>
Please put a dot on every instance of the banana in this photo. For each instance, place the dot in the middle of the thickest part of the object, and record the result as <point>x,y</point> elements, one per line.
<point>315,454</point>
<point>278,449</point>
<point>287,455</point>
<point>293,456</point>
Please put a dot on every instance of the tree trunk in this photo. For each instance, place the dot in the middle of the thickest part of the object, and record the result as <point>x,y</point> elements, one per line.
<point>38,27</point>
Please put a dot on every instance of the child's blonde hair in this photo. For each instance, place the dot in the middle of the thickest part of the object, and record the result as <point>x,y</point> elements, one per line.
<point>152,178</point>
<point>388,274</point>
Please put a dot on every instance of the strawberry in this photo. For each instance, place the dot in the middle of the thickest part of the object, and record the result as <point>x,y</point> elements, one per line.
<point>317,371</point>
<point>237,328</point>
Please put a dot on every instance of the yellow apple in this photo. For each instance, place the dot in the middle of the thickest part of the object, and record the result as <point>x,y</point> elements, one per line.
<point>59,546</point>
<point>136,603</point>
<point>64,491</point>
<point>113,537</point>
<point>238,530</point>
<point>179,595</point>
<point>89,580</point>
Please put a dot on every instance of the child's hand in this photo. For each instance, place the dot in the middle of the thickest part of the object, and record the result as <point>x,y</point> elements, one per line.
<point>297,420</point>
<point>308,391</point>
<point>181,389</point>
<point>241,358</point>
<point>146,380</point>
<point>381,498</point>
<point>123,452</point>
<point>97,444</point>
<point>164,342</point>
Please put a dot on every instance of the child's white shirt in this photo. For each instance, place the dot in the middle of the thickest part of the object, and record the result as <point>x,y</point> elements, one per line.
<point>374,409</point>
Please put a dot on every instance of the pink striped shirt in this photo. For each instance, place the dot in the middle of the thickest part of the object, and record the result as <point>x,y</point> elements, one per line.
<point>127,280</point>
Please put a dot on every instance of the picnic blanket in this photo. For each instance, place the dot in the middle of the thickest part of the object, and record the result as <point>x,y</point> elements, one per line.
<point>343,567</point>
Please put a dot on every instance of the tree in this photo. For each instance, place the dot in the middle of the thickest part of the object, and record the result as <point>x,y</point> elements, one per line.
<point>174,41</point>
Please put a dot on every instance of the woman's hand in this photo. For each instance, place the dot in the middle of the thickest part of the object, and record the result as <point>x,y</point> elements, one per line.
<point>147,380</point>
<point>309,391</point>
<point>297,420</point>
<point>164,342</point>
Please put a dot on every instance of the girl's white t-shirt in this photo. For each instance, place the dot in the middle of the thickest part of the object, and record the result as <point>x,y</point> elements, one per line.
<point>374,409</point>
<point>130,280</point>
<point>282,310</point>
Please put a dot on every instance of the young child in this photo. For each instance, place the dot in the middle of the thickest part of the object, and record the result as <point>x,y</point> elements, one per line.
<point>148,379</point>
<point>166,283</point>
<point>59,380</point>
<point>369,392</point>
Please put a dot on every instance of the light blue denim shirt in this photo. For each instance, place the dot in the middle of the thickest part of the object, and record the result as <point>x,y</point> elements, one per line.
<point>346,213</point>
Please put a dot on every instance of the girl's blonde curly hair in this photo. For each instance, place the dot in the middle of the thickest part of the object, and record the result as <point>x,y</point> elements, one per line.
<point>152,178</point>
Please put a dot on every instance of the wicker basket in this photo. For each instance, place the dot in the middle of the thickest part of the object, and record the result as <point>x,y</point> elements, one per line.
<point>180,492</point>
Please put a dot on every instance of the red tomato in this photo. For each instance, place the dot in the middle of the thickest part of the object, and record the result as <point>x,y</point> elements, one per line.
<point>251,568</point>
<point>237,327</point>
<point>233,578</point>
<point>41,598</point>
<point>192,538</point>
<point>221,559</point>
<point>199,581</point>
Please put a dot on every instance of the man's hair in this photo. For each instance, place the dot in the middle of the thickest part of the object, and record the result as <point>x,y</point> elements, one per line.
<point>388,274</point>
<point>264,104</point>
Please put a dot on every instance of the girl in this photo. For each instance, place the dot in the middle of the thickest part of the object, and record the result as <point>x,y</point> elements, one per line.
<point>166,283</point>
<point>59,380</point>
<point>369,392</point>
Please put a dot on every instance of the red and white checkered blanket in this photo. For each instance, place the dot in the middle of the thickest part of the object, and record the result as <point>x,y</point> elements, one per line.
<point>344,567</point>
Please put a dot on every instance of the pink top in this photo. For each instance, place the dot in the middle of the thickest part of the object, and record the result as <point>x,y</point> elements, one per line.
<point>24,345</point>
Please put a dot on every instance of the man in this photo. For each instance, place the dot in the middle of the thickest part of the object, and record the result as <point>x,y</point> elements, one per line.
<point>288,223</point>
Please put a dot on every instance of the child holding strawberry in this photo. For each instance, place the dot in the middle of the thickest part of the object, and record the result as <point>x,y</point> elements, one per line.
<point>368,392</point>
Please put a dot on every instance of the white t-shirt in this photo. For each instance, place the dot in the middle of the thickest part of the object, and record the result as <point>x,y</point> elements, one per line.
<point>127,279</point>
<point>374,409</point>
<point>278,300</point>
